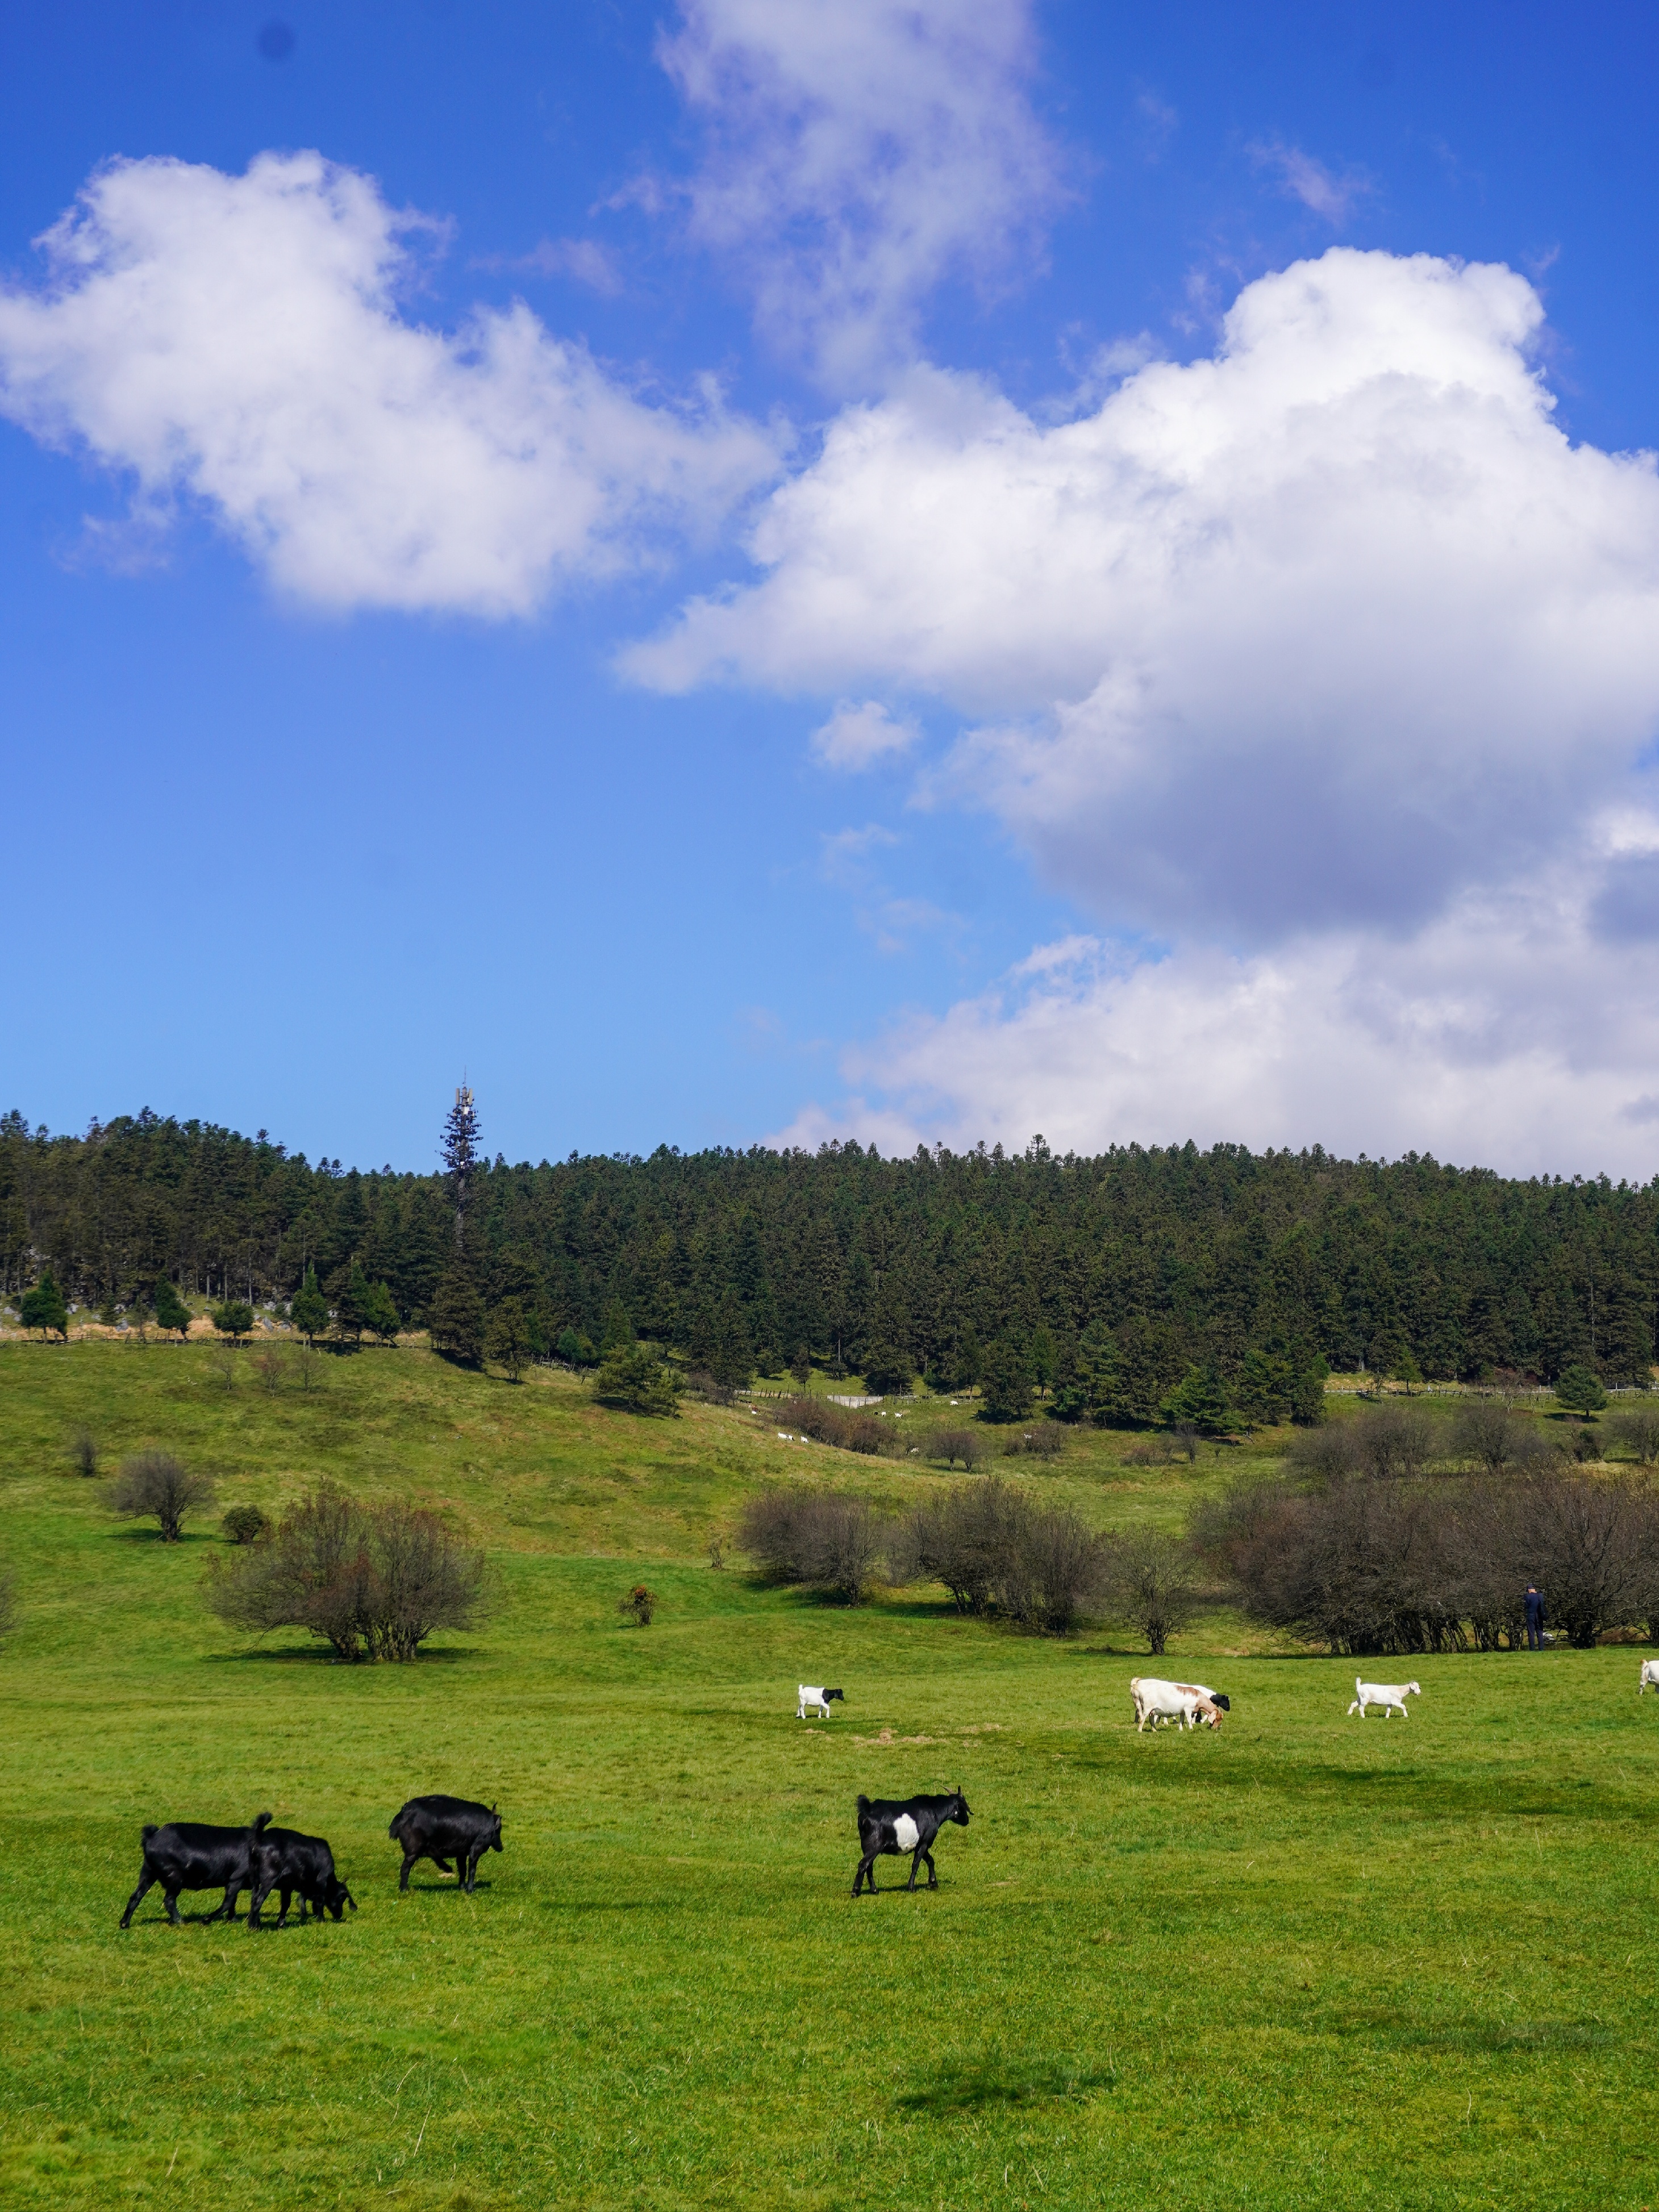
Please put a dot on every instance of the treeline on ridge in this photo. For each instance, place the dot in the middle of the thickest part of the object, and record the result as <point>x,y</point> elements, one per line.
<point>1105,1281</point>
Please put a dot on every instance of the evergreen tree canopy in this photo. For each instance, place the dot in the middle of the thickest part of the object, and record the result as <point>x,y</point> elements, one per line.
<point>44,1308</point>
<point>171,1311</point>
<point>1137,1263</point>
<point>308,1310</point>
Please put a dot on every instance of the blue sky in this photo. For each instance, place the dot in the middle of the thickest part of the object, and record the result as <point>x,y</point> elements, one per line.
<point>749,570</point>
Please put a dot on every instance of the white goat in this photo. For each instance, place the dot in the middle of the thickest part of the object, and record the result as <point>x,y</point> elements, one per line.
<point>818,1698</point>
<point>1386,1694</point>
<point>1649,1676</point>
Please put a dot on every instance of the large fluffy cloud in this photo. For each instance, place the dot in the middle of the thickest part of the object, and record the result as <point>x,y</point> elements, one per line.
<point>1500,1034</point>
<point>1313,632</point>
<point>1330,661</point>
<point>240,339</point>
<point>858,153</point>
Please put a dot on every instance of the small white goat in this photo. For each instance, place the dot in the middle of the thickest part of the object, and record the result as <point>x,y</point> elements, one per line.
<point>1649,1676</point>
<point>1386,1694</point>
<point>818,1698</point>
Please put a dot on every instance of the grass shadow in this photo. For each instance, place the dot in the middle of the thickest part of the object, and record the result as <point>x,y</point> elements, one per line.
<point>982,2087</point>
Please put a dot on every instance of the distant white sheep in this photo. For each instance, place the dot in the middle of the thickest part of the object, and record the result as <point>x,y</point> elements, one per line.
<point>1649,1676</point>
<point>1389,1695</point>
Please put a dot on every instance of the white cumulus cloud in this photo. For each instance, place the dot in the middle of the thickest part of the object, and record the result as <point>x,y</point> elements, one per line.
<point>240,340</point>
<point>1501,1034</point>
<point>860,733</point>
<point>1316,632</point>
<point>860,154</point>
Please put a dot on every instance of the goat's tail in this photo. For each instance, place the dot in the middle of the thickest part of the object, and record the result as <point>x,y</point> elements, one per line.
<point>1357,1683</point>
<point>394,1831</point>
<point>258,1825</point>
<point>864,1807</point>
<point>146,1833</point>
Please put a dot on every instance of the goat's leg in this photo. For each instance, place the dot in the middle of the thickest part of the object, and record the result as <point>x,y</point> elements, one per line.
<point>915,1866</point>
<point>933,1871</point>
<point>403,1879</point>
<point>146,1881</point>
<point>172,1907</point>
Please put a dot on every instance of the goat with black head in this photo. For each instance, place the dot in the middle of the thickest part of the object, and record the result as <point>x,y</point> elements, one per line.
<point>888,1825</point>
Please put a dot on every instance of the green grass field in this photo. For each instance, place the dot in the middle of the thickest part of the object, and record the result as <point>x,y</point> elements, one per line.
<point>1307,1962</point>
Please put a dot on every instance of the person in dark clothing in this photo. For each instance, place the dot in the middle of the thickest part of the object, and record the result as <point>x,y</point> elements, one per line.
<point>1534,1618</point>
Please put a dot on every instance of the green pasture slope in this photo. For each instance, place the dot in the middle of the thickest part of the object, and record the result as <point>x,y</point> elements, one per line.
<point>1310,1962</point>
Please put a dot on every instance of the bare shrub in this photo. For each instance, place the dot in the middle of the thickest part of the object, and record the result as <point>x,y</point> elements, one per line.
<point>638,1606</point>
<point>1372,1564</point>
<point>153,1485</point>
<point>84,1452</point>
<point>245,1524</point>
<point>960,1539</point>
<point>1637,1433</point>
<point>1152,1584</point>
<point>821,1539</point>
<point>1046,1442</point>
<point>223,1367</point>
<point>995,1551</point>
<point>1152,1451</point>
<point>268,1365</point>
<point>1495,1440</point>
<point>1356,1565</point>
<point>843,1427</point>
<point>1185,1438</point>
<point>970,1446</point>
<point>1589,1544</point>
<point>372,1579</point>
<point>1395,1443</point>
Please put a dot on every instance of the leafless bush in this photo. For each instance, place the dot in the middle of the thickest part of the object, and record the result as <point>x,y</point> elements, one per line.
<point>700,1383</point>
<point>268,1365</point>
<point>372,1579</point>
<point>821,1539</point>
<point>153,1484</point>
<point>842,1426</point>
<point>1373,1564</point>
<point>224,1367</point>
<point>995,1551</point>
<point>638,1606</point>
<point>1152,1451</point>
<point>1185,1439</point>
<point>1046,1441</point>
<point>1395,1443</point>
<point>1152,1584</point>
<point>84,1453</point>
<point>1637,1433</point>
<point>970,1446</point>
<point>1496,1440</point>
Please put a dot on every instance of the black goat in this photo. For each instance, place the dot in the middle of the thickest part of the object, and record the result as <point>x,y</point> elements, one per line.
<point>442,1828</point>
<point>892,1824</point>
<point>286,1861</point>
<point>191,1855</point>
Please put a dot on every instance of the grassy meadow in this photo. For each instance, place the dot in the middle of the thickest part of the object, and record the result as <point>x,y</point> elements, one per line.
<point>1306,1962</point>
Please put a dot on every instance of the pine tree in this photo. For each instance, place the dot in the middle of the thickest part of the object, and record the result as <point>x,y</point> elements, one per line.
<point>43,1307</point>
<point>506,1340</point>
<point>1006,1381</point>
<point>460,1155</point>
<point>171,1311</point>
<point>455,1319</point>
<point>351,1298</point>
<point>380,1314</point>
<point>307,1309</point>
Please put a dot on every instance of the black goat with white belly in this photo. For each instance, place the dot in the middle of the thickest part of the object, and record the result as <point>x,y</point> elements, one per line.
<point>892,1825</point>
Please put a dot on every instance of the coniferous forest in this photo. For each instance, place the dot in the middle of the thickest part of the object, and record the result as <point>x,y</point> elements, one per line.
<point>1105,1280</point>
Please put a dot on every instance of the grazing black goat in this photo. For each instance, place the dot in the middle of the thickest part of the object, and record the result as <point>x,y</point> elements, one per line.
<point>191,1855</point>
<point>444,1828</point>
<point>286,1861</point>
<point>910,1824</point>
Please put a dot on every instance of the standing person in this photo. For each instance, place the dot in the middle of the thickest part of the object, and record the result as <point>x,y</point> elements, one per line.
<point>1534,1618</point>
